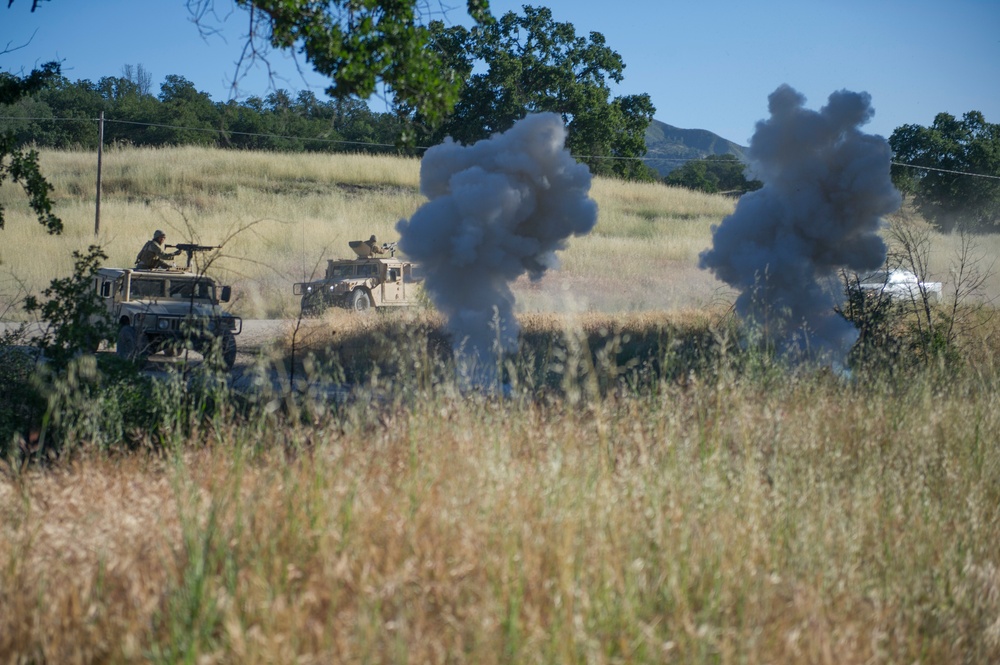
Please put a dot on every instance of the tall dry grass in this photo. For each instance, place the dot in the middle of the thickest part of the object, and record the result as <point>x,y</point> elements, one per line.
<point>724,510</point>
<point>278,216</point>
<point>281,216</point>
<point>805,520</point>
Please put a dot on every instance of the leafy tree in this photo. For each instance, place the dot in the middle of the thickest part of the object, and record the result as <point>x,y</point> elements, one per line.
<point>531,63</point>
<point>715,173</point>
<point>948,196</point>
<point>81,102</point>
<point>77,319</point>
<point>188,116</point>
<point>357,44</point>
<point>19,164</point>
<point>128,104</point>
<point>244,125</point>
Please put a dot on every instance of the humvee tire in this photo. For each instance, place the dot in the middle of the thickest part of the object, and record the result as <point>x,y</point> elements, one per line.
<point>360,302</point>
<point>131,344</point>
<point>222,348</point>
<point>228,349</point>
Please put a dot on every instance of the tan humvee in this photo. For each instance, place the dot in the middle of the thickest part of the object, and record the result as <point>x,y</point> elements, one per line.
<point>166,310</point>
<point>366,282</point>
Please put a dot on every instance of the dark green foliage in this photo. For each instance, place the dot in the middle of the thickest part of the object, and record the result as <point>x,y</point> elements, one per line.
<point>948,197</point>
<point>181,115</point>
<point>186,116</point>
<point>531,64</point>
<point>21,404</point>
<point>549,359</point>
<point>18,164</point>
<point>13,88</point>
<point>361,44</point>
<point>77,319</point>
<point>99,403</point>
<point>713,174</point>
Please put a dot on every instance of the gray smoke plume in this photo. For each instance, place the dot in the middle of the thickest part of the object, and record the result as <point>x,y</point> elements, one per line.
<point>826,189</point>
<point>497,209</point>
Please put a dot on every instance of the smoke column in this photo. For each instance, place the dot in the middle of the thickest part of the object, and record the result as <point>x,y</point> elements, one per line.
<point>826,188</point>
<point>496,209</point>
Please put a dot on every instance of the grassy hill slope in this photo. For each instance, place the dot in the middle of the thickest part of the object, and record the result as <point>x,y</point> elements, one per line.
<point>281,216</point>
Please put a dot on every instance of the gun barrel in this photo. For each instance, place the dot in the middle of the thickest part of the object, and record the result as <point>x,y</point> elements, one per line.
<point>190,248</point>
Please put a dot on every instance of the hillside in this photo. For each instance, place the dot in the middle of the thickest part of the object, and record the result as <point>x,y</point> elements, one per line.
<point>668,147</point>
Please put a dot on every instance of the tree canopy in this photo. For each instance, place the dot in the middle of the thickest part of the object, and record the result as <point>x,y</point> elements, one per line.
<point>358,45</point>
<point>951,149</point>
<point>715,173</point>
<point>62,114</point>
<point>531,63</point>
<point>20,164</point>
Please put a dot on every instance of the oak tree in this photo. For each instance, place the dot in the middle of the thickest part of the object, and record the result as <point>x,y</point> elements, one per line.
<point>358,44</point>
<point>19,164</point>
<point>530,63</point>
<point>713,174</point>
<point>959,184</point>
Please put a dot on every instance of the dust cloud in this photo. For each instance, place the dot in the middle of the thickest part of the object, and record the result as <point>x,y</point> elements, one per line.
<point>497,209</point>
<point>826,190</point>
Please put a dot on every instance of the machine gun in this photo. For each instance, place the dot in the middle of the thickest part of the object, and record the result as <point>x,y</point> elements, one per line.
<point>389,247</point>
<point>190,249</point>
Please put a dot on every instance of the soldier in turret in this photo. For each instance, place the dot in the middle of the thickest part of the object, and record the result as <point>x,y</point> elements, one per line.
<point>373,245</point>
<point>152,255</point>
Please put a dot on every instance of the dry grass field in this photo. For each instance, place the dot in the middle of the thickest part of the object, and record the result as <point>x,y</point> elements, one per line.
<point>280,216</point>
<point>702,504</point>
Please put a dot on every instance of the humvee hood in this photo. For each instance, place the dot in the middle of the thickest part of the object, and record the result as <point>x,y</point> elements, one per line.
<point>174,308</point>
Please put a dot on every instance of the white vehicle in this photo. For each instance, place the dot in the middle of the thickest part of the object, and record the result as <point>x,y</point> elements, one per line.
<point>897,283</point>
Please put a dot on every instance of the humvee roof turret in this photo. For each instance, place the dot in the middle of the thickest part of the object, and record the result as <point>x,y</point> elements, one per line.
<point>166,310</point>
<point>365,282</point>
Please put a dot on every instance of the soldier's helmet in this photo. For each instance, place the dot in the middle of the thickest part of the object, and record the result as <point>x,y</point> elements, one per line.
<point>159,234</point>
<point>372,239</point>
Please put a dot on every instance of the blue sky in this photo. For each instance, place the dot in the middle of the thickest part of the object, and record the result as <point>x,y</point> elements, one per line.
<point>707,64</point>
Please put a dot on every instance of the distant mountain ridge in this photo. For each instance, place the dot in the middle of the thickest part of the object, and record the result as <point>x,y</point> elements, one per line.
<point>668,147</point>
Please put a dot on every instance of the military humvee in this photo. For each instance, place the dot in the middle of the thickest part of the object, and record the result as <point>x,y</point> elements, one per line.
<point>165,309</point>
<point>363,283</point>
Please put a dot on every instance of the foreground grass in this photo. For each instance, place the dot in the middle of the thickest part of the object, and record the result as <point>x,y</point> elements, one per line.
<point>699,505</point>
<point>758,517</point>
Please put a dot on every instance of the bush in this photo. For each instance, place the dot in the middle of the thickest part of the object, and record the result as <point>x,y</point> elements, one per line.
<point>76,319</point>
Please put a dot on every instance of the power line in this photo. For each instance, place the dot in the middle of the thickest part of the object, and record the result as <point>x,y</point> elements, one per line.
<point>647,158</point>
<point>931,168</point>
<point>253,134</point>
<point>209,130</point>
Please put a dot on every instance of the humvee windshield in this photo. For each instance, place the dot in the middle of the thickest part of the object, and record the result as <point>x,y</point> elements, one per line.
<point>341,271</point>
<point>148,288</point>
<point>184,289</point>
<point>188,289</point>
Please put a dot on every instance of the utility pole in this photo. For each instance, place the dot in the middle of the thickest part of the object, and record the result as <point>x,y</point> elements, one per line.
<point>100,151</point>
